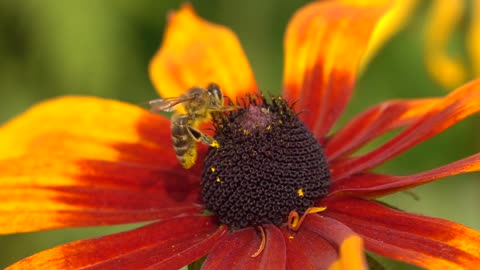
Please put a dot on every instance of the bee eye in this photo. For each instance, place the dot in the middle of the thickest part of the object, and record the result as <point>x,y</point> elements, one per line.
<point>215,93</point>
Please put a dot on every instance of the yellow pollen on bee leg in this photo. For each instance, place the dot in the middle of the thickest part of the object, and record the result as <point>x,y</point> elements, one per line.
<point>215,144</point>
<point>300,192</point>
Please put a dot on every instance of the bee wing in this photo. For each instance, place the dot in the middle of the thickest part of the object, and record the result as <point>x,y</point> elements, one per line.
<point>166,104</point>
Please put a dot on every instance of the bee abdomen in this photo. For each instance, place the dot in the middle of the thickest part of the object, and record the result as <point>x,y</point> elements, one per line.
<point>186,155</point>
<point>182,150</point>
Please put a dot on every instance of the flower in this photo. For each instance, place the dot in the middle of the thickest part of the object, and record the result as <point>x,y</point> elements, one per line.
<point>82,161</point>
<point>446,66</point>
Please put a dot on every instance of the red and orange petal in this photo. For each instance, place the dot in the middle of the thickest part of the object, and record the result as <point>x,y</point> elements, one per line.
<point>374,122</point>
<point>195,52</point>
<point>96,124</point>
<point>86,161</point>
<point>423,241</point>
<point>167,244</point>
<point>371,185</point>
<point>459,104</point>
<point>324,44</point>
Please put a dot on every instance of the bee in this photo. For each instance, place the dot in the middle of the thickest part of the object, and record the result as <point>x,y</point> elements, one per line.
<point>198,103</point>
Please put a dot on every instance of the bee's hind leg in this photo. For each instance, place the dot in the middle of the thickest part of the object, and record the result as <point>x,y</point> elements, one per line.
<point>198,136</point>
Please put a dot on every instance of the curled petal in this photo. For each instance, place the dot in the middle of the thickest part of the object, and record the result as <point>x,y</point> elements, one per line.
<point>374,122</point>
<point>324,44</point>
<point>427,242</point>
<point>459,104</point>
<point>168,244</point>
<point>195,52</point>
<point>375,185</point>
<point>236,249</point>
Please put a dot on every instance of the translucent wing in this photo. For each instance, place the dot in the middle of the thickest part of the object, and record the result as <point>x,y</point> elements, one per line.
<point>167,104</point>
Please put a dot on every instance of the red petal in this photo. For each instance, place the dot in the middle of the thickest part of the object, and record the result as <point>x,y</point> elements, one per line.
<point>168,244</point>
<point>459,104</point>
<point>424,241</point>
<point>306,249</point>
<point>324,44</point>
<point>374,185</point>
<point>374,122</point>
<point>235,251</point>
<point>328,228</point>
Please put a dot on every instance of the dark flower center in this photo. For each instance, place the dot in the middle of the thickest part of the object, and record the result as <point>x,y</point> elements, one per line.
<point>268,164</point>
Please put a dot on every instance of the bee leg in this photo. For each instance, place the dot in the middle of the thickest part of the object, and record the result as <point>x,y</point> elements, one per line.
<point>198,136</point>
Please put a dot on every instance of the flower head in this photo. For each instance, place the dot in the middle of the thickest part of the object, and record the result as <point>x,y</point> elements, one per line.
<point>278,192</point>
<point>448,67</point>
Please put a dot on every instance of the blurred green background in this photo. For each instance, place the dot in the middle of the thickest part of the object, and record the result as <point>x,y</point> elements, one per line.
<point>102,48</point>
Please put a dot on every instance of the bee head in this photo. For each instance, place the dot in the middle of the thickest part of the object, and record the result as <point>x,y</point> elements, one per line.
<point>216,95</point>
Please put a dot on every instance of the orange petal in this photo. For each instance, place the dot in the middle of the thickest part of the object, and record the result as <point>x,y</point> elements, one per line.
<point>459,104</point>
<point>324,44</point>
<point>195,52</point>
<point>428,242</point>
<point>168,244</point>
<point>351,255</point>
<point>374,122</point>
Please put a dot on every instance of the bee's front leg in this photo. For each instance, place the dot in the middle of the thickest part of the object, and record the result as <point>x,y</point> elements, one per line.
<point>198,136</point>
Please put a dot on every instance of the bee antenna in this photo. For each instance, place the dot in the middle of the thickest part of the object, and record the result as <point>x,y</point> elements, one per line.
<point>145,104</point>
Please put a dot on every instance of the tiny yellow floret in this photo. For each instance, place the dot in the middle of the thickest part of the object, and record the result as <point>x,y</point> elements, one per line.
<point>218,180</point>
<point>300,192</point>
<point>213,169</point>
